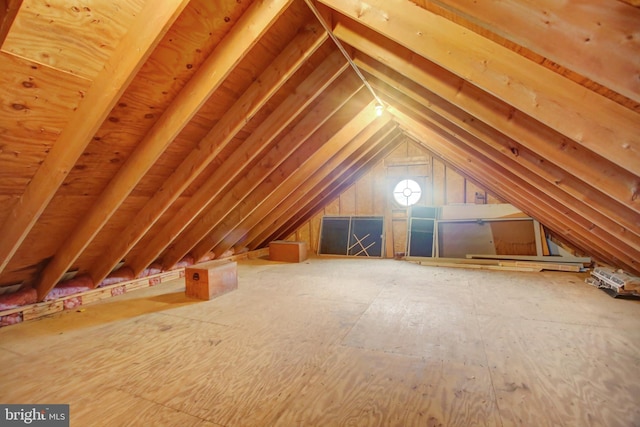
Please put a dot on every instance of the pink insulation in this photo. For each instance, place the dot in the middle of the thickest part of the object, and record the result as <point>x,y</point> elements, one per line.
<point>227,253</point>
<point>71,303</point>
<point>155,268</point>
<point>184,262</point>
<point>118,290</point>
<point>16,299</point>
<point>79,283</point>
<point>120,275</point>
<point>10,319</point>
<point>207,257</point>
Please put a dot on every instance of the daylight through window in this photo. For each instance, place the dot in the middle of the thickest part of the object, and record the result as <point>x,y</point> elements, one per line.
<point>407,192</point>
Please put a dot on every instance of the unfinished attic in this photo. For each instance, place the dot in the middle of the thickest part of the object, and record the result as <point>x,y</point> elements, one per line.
<point>443,179</point>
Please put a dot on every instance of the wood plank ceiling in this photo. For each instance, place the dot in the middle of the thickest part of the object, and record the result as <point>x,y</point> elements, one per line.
<point>147,131</point>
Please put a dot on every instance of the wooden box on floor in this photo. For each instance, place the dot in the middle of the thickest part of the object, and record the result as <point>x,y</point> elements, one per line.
<point>210,279</point>
<point>286,251</point>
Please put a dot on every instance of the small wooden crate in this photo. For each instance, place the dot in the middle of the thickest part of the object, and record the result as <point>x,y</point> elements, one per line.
<point>210,279</point>
<point>287,251</point>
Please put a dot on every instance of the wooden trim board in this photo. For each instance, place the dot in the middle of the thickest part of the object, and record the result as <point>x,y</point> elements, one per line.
<point>42,309</point>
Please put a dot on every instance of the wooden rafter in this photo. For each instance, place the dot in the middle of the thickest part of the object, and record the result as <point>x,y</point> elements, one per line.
<point>131,52</point>
<point>598,207</point>
<point>598,123</point>
<point>601,226</point>
<point>8,12</point>
<point>261,137</point>
<point>635,3</point>
<point>572,34</point>
<point>245,179</point>
<point>575,159</point>
<point>247,105</point>
<point>324,192</point>
<point>518,191</point>
<point>358,136</point>
<point>211,74</point>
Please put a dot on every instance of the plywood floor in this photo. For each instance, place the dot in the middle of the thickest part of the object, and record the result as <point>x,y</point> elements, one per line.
<point>339,342</point>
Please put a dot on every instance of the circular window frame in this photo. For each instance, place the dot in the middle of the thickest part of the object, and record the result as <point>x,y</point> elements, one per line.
<point>407,192</point>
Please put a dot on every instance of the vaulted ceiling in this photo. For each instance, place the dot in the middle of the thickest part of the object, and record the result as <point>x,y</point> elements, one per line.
<point>147,130</point>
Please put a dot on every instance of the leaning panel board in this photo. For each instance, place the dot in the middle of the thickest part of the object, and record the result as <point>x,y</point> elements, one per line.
<point>352,236</point>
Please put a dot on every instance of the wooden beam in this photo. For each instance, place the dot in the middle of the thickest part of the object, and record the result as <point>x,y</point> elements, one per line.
<point>339,152</point>
<point>514,190</point>
<point>284,114</point>
<point>508,187</point>
<point>635,3</point>
<point>300,213</point>
<point>254,22</point>
<point>587,118</point>
<point>242,180</point>
<point>8,12</point>
<point>137,44</point>
<point>406,161</point>
<point>604,175</point>
<point>593,224</point>
<point>566,171</point>
<point>518,191</point>
<point>571,34</point>
<point>296,172</point>
<point>544,175</point>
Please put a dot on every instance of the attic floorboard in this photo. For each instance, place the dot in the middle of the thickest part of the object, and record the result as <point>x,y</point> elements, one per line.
<point>339,342</point>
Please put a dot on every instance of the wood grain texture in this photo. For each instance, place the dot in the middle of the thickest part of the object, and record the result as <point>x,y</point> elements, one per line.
<point>580,114</point>
<point>37,104</point>
<point>613,219</point>
<point>249,150</point>
<point>344,342</point>
<point>8,12</point>
<point>573,35</point>
<point>527,200</point>
<point>571,180</point>
<point>206,80</point>
<point>72,37</point>
<point>301,135</point>
<point>490,111</point>
<point>110,83</point>
<point>295,213</point>
<point>355,139</point>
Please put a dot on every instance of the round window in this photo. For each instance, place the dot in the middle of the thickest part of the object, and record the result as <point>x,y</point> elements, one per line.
<point>407,192</point>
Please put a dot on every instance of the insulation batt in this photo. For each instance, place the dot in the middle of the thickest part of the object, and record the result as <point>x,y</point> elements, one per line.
<point>227,253</point>
<point>10,319</point>
<point>207,257</point>
<point>155,268</point>
<point>72,303</point>
<point>120,275</point>
<point>79,283</point>
<point>184,262</point>
<point>118,290</point>
<point>16,299</point>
